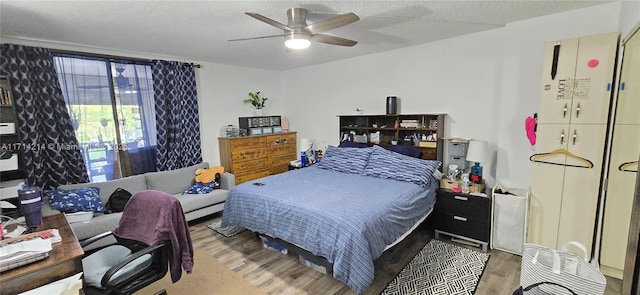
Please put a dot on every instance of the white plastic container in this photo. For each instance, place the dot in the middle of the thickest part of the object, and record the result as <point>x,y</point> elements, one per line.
<point>79,217</point>
<point>509,219</point>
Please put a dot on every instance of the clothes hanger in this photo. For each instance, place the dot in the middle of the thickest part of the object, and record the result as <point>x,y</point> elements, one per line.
<point>626,167</point>
<point>536,158</point>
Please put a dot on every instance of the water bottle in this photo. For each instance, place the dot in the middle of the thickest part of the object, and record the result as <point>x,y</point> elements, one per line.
<point>465,183</point>
<point>303,159</point>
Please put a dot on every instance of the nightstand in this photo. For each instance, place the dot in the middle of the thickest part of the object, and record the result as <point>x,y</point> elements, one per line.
<point>466,217</point>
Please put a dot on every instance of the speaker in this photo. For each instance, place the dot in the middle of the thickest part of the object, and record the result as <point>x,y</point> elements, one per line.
<point>393,105</point>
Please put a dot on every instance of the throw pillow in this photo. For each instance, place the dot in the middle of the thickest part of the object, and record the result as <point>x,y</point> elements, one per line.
<point>387,164</point>
<point>199,188</point>
<point>346,160</point>
<point>82,199</point>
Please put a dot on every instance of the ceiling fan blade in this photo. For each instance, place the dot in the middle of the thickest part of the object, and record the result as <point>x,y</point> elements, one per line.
<point>331,23</point>
<point>333,40</point>
<point>255,38</point>
<point>268,21</point>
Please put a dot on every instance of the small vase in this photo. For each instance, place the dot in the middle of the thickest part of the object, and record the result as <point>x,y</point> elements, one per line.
<point>257,112</point>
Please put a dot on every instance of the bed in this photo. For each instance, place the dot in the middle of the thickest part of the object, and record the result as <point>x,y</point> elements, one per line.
<point>348,208</point>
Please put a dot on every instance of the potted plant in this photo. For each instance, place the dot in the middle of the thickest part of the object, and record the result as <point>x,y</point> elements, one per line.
<point>256,101</point>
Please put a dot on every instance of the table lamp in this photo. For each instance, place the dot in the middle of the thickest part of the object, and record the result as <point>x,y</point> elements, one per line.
<point>476,152</point>
<point>305,146</point>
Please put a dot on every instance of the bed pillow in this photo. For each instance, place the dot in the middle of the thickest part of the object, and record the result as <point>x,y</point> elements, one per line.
<point>82,199</point>
<point>405,150</point>
<point>387,164</point>
<point>344,159</point>
<point>346,143</point>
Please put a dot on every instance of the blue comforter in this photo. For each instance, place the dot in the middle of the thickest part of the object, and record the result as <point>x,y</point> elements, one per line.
<point>349,219</point>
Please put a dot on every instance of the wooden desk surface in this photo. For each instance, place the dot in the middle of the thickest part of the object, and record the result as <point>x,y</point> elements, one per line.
<point>65,259</point>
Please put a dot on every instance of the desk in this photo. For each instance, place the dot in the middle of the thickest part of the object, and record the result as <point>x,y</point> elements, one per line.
<point>65,259</point>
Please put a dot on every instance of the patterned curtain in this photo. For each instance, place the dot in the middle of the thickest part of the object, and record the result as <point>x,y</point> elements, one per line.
<point>51,152</point>
<point>177,121</point>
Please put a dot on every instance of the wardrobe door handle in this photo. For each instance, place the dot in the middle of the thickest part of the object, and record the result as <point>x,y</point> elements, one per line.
<point>459,218</point>
<point>575,135</point>
<point>564,111</point>
<point>562,137</point>
<point>461,198</point>
<point>578,110</point>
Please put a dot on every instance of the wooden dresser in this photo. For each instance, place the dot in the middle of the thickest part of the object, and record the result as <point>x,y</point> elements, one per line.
<point>257,156</point>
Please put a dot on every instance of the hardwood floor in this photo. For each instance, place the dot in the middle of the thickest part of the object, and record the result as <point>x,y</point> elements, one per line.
<point>274,273</point>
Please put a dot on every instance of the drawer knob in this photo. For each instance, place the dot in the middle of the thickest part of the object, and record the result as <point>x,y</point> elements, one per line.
<point>461,198</point>
<point>459,218</point>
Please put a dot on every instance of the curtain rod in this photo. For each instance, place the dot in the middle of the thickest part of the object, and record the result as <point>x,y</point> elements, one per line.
<point>114,57</point>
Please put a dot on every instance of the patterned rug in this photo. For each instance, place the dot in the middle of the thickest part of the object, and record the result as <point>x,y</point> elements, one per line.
<point>440,268</point>
<point>228,231</point>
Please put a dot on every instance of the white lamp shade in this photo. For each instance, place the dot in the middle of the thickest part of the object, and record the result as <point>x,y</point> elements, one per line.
<point>477,151</point>
<point>305,144</point>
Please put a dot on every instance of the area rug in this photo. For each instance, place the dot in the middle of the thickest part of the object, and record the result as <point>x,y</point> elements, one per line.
<point>228,231</point>
<point>440,268</point>
<point>209,276</point>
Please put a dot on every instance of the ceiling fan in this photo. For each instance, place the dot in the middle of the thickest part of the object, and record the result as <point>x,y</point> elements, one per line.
<point>298,34</point>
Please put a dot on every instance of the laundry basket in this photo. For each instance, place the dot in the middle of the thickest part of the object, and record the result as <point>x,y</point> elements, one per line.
<point>567,272</point>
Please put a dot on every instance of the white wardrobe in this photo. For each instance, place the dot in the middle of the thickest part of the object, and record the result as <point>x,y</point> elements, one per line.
<point>623,162</point>
<point>576,94</point>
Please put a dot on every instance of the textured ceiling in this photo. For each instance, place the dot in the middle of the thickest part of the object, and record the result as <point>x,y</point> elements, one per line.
<point>199,30</point>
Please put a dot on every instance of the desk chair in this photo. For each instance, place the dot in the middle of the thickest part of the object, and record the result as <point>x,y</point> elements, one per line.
<point>125,267</point>
<point>152,235</point>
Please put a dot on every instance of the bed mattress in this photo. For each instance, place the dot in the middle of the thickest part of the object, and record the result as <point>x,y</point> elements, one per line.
<point>347,218</point>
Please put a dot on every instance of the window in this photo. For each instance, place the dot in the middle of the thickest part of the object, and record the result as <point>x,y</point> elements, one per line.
<point>112,111</point>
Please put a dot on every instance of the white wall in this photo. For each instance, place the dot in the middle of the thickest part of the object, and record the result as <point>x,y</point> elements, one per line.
<point>221,89</point>
<point>487,83</point>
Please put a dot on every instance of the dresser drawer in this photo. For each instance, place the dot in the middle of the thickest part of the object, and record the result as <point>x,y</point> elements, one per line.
<point>247,143</point>
<point>281,139</point>
<point>462,226</point>
<point>254,175</point>
<point>468,206</point>
<point>282,150</point>
<point>249,166</point>
<point>250,154</point>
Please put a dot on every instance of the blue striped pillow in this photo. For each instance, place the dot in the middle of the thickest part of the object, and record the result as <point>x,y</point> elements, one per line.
<point>387,164</point>
<point>346,160</point>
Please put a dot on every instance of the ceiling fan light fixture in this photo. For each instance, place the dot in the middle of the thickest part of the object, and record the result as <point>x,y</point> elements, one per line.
<point>297,41</point>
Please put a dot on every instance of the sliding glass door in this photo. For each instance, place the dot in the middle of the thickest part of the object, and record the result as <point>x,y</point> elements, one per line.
<point>112,111</point>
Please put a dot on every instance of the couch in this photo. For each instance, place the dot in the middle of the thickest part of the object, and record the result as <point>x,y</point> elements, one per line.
<point>174,182</point>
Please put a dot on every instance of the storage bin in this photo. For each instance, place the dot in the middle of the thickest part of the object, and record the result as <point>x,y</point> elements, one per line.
<point>267,244</point>
<point>79,217</point>
<point>9,164</point>
<point>461,161</point>
<point>457,148</point>
<point>509,216</point>
<point>7,128</point>
<point>314,266</point>
<point>473,187</point>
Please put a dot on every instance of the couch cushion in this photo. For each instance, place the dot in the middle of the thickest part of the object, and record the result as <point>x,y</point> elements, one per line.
<point>99,224</point>
<point>132,184</point>
<point>173,181</point>
<point>198,201</point>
